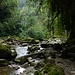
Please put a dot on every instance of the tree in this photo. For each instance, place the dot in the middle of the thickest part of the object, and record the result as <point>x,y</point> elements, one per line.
<point>7,7</point>
<point>33,23</point>
<point>66,10</point>
<point>9,18</point>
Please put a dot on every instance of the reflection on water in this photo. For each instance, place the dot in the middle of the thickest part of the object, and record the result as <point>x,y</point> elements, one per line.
<point>21,51</point>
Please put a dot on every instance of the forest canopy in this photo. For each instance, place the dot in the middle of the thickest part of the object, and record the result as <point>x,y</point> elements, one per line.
<point>7,7</point>
<point>63,12</point>
<point>54,16</point>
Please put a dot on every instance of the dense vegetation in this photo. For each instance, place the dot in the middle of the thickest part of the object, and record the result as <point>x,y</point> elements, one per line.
<point>7,7</point>
<point>17,19</point>
<point>25,18</point>
<point>9,18</point>
<point>64,10</point>
<point>28,22</point>
<point>38,19</point>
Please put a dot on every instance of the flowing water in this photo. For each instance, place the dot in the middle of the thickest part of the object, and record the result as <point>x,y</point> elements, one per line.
<point>21,51</point>
<point>15,69</point>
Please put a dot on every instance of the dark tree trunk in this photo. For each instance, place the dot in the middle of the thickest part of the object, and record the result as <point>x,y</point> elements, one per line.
<point>70,48</point>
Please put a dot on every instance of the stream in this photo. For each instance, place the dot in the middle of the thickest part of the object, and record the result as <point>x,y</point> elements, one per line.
<point>21,51</point>
<point>16,69</point>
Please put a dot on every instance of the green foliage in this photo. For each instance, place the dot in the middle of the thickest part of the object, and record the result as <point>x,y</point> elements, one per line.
<point>58,28</point>
<point>56,70</point>
<point>37,73</point>
<point>9,18</point>
<point>36,33</point>
<point>56,8</point>
<point>6,8</point>
<point>32,23</point>
<point>11,27</point>
<point>50,70</point>
<point>28,21</point>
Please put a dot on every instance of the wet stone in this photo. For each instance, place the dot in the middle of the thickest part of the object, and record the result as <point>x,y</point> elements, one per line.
<point>25,65</point>
<point>3,62</point>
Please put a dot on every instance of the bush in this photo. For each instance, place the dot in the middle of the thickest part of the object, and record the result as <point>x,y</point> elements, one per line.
<point>50,70</point>
<point>35,32</point>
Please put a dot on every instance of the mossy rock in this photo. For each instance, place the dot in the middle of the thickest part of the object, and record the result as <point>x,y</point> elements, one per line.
<point>9,43</point>
<point>33,48</point>
<point>3,62</point>
<point>44,44</point>
<point>39,65</point>
<point>10,39</point>
<point>21,60</point>
<point>5,52</point>
<point>28,40</point>
<point>33,41</point>
<point>51,61</point>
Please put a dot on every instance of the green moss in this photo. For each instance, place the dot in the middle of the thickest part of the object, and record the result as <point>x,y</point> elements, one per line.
<point>38,73</point>
<point>33,48</point>
<point>5,51</point>
<point>21,60</point>
<point>50,70</point>
<point>33,41</point>
<point>47,68</point>
<point>28,40</point>
<point>56,70</point>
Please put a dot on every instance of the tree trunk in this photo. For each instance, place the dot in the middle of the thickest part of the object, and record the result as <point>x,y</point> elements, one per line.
<point>70,48</point>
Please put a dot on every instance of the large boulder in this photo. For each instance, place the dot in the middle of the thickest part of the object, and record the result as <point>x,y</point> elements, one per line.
<point>33,48</point>
<point>6,53</point>
<point>45,44</point>
<point>21,60</point>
